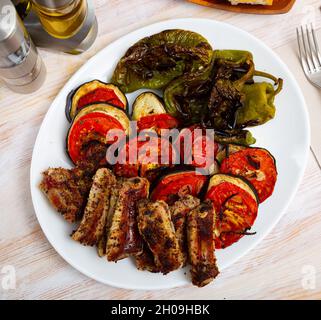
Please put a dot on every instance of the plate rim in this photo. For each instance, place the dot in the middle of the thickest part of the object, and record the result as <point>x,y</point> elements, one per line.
<point>168,285</point>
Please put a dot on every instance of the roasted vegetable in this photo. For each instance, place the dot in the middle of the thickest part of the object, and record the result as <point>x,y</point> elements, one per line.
<point>90,127</point>
<point>148,160</point>
<point>157,122</point>
<point>258,104</point>
<point>224,101</point>
<point>93,92</point>
<point>257,166</point>
<point>156,60</point>
<point>200,150</point>
<point>187,97</point>
<point>236,101</point>
<point>241,137</point>
<point>146,104</point>
<point>226,150</point>
<point>234,65</point>
<point>236,204</point>
<point>171,186</point>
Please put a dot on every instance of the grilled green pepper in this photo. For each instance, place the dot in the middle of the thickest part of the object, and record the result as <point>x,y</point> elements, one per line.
<point>186,97</point>
<point>239,137</point>
<point>258,105</point>
<point>234,65</point>
<point>156,60</point>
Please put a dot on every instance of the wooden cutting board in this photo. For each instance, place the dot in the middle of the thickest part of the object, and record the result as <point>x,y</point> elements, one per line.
<point>278,7</point>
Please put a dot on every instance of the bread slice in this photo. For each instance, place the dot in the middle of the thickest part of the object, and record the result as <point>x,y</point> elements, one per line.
<point>263,2</point>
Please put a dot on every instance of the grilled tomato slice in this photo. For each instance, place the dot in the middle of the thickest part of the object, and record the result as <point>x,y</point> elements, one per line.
<point>257,166</point>
<point>177,183</point>
<point>196,151</point>
<point>157,121</point>
<point>91,126</point>
<point>149,158</point>
<point>236,206</point>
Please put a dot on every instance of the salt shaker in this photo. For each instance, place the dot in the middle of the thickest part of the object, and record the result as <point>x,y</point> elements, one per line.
<point>21,67</point>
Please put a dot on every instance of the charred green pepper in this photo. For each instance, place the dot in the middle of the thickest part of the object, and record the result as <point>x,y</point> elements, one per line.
<point>234,65</point>
<point>156,60</point>
<point>258,105</point>
<point>239,137</point>
<point>232,70</point>
<point>187,97</point>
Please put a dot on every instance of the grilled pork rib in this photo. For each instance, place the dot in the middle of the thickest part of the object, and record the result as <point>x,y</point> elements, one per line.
<point>66,190</point>
<point>93,222</point>
<point>200,239</point>
<point>155,225</point>
<point>145,261</point>
<point>123,238</point>
<point>179,211</point>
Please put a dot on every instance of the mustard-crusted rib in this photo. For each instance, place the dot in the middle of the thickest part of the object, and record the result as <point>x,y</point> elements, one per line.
<point>155,225</point>
<point>200,239</point>
<point>93,222</point>
<point>123,238</point>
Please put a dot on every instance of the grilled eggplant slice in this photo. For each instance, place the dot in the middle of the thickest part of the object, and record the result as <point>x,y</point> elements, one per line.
<point>123,238</point>
<point>171,186</point>
<point>66,190</point>
<point>93,222</point>
<point>200,239</point>
<point>91,125</point>
<point>236,203</point>
<point>179,211</point>
<point>94,92</point>
<point>155,225</point>
<point>146,104</point>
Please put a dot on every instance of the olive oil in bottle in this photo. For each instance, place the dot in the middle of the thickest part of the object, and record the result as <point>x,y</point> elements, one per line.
<point>63,18</point>
<point>65,25</point>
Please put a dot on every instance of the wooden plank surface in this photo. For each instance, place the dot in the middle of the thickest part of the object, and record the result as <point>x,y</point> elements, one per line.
<point>275,269</point>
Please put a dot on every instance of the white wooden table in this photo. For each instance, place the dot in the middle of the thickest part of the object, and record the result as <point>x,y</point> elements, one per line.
<point>286,264</point>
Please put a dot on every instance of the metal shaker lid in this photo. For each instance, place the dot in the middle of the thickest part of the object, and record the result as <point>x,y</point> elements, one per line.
<point>53,4</point>
<point>11,29</point>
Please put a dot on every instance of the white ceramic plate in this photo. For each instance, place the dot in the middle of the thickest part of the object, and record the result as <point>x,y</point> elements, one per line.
<point>287,137</point>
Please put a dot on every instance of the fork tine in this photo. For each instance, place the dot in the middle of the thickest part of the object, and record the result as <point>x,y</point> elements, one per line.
<point>311,48</point>
<point>316,45</point>
<point>301,52</point>
<point>307,58</point>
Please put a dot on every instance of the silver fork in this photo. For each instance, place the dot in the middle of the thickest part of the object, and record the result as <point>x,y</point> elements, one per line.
<point>309,54</point>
